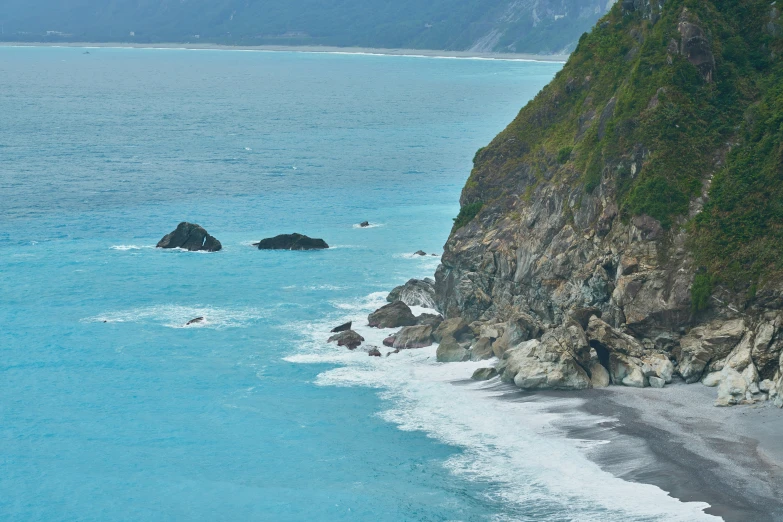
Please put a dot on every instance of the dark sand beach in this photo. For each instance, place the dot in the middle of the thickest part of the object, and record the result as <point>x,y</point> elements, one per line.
<point>676,439</point>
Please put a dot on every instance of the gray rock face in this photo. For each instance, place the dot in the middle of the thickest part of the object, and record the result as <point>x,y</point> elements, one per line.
<point>553,363</point>
<point>413,337</point>
<point>393,315</point>
<point>449,350</point>
<point>347,338</point>
<point>599,376</point>
<point>657,382</point>
<point>484,374</point>
<point>706,343</point>
<point>416,292</point>
<point>190,237</point>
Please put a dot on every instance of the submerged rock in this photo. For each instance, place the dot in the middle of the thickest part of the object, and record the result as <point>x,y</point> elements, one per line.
<point>364,224</point>
<point>190,237</point>
<point>291,242</point>
<point>413,337</point>
<point>195,321</point>
<point>347,338</point>
<point>342,327</point>
<point>374,352</point>
<point>416,292</point>
<point>392,315</point>
<point>420,253</point>
<point>484,374</point>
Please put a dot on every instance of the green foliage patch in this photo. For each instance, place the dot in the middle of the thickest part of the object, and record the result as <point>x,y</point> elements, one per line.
<point>467,213</point>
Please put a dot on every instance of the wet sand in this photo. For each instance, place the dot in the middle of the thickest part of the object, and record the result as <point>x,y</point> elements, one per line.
<point>302,49</point>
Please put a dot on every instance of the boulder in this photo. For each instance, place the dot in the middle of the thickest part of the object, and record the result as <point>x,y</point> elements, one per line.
<point>342,327</point>
<point>704,344</point>
<point>389,341</point>
<point>190,237</point>
<point>553,363</point>
<point>413,337</point>
<point>604,337</point>
<point>364,224</point>
<point>347,338</point>
<point>420,253</point>
<point>392,315</point>
<point>449,350</point>
<point>291,242</point>
<point>765,350</point>
<point>658,365</point>
<point>657,382</point>
<point>456,328</point>
<point>416,292</point>
<point>599,376</point>
<point>430,320</point>
<point>732,388</point>
<point>481,349</point>
<point>521,328</point>
<point>374,352</point>
<point>626,370</point>
<point>484,374</point>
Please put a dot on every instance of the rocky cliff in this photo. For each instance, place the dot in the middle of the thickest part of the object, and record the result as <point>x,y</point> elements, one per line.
<point>633,208</point>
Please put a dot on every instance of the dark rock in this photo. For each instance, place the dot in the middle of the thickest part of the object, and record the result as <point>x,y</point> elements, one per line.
<point>194,321</point>
<point>389,341</point>
<point>190,237</point>
<point>342,327</point>
<point>374,352</point>
<point>455,327</point>
<point>364,224</point>
<point>429,319</point>
<point>392,315</point>
<point>413,337</point>
<point>291,242</point>
<point>416,292</point>
<point>348,338</point>
<point>484,374</point>
<point>420,253</point>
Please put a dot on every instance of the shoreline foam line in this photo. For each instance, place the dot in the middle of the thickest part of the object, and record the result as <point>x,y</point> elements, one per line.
<point>360,51</point>
<point>514,447</point>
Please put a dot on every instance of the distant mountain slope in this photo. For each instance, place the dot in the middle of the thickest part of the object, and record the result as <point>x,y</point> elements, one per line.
<point>522,26</point>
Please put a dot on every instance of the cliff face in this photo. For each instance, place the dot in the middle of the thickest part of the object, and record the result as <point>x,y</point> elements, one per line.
<point>619,198</point>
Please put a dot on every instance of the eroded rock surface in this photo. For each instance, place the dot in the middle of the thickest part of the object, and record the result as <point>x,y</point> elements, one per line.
<point>191,237</point>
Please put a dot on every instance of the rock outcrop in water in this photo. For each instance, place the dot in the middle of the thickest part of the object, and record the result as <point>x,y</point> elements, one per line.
<point>291,242</point>
<point>393,315</point>
<point>190,237</point>
<point>347,338</point>
<point>605,235</point>
<point>416,292</point>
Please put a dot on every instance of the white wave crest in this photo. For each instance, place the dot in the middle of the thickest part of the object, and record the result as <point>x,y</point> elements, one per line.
<point>124,248</point>
<point>176,316</point>
<point>514,446</point>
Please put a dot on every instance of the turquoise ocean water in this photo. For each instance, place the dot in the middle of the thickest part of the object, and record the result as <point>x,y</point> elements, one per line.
<point>111,410</point>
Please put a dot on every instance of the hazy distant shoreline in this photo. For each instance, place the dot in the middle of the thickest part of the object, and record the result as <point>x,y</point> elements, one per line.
<point>429,53</point>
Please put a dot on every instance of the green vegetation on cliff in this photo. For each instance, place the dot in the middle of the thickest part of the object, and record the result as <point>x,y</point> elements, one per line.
<point>665,101</point>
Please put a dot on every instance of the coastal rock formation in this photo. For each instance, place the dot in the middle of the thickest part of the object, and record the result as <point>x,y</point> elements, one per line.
<point>484,374</point>
<point>190,237</point>
<point>556,362</point>
<point>450,350</point>
<point>342,327</point>
<point>291,242</point>
<point>364,224</point>
<point>605,208</point>
<point>347,338</point>
<point>416,292</point>
<point>429,319</point>
<point>413,337</point>
<point>392,315</point>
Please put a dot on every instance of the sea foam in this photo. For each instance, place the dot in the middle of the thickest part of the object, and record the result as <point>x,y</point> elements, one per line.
<point>514,446</point>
